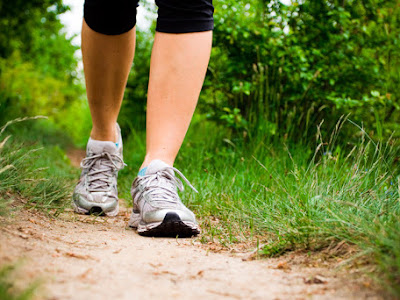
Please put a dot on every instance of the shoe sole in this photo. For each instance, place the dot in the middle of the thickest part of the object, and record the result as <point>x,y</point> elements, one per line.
<point>95,210</point>
<point>171,226</point>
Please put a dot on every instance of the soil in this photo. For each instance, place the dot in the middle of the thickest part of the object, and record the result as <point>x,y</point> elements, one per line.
<point>88,257</point>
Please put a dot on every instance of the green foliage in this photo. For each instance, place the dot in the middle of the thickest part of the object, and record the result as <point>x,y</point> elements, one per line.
<point>21,21</point>
<point>41,176</point>
<point>38,68</point>
<point>33,30</point>
<point>289,67</point>
<point>27,91</point>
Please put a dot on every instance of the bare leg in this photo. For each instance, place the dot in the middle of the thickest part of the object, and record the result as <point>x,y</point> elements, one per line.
<point>107,60</point>
<point>178,66</point>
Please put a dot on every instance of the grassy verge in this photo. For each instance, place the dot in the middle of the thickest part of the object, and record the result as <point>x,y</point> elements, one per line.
<point>33,167</point>
<point>289,197</point>
<point>35,170</point>
<point>292,197</point>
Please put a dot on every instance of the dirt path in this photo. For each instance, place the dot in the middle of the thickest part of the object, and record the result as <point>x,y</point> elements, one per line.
<point>84,257</point>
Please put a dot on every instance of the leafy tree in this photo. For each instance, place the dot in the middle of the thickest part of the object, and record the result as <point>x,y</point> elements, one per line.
<point>279,70</point>
<point>37,62</point>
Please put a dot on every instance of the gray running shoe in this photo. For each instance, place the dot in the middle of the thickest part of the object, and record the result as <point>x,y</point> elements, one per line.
<point>157,208</point>
<point>96,191</point>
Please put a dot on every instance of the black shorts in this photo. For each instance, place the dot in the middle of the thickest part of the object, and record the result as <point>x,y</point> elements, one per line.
<point>114,17</point>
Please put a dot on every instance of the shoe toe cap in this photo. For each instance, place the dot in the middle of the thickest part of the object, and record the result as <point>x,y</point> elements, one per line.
<point>89,200</point>
<point>159,215</point>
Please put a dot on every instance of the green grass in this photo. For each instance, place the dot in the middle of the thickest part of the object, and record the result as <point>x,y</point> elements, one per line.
<point>287,197</point>
<point>33,167</point>
<point>292,197</point>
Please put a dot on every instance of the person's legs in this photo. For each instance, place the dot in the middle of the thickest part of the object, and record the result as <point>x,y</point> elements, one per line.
<point>179,61</point>
<point>108,42</point>
<point>107,60</point>
<point>178,66</point>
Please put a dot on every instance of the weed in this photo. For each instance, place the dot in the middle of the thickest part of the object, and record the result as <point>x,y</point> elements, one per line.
<point>40,175</point>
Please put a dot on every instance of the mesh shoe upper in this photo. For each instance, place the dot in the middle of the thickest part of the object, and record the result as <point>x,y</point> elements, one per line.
<point>155,194</point>
<point>98,182</point>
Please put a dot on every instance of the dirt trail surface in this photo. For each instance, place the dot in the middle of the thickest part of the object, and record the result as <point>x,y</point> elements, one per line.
<point>87,257</point>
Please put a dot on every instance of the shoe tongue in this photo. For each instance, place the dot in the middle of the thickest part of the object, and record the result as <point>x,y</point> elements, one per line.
<point>98,147</point>
<point>155,166</point>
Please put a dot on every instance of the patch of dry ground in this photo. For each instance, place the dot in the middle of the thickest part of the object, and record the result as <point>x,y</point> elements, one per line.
<point>87,257</point>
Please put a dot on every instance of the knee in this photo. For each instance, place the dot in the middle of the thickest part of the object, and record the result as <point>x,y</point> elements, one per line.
<point>177,16</point>
<point>110,17</point>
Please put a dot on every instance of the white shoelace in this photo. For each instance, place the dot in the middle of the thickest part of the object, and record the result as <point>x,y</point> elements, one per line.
<point>161,186</point>
<point>100,170</point>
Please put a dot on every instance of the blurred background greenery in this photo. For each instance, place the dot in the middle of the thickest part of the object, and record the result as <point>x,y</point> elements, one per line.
<point>294,141</point>
<point>276,70</point>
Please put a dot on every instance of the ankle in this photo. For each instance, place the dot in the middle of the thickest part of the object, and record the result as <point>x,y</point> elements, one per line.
<point>149,158</point>
<point>104,134</point>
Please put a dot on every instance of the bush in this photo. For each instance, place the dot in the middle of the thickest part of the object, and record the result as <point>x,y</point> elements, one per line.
<point>286,68</point>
